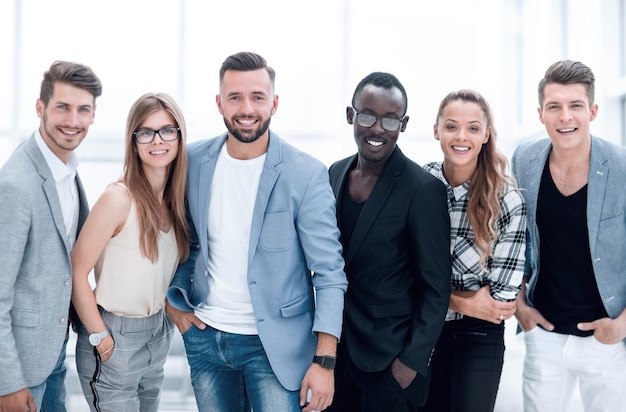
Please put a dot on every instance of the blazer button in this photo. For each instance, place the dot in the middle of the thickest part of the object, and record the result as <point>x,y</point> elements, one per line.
<point>67,283</point>
<point>63,320</point>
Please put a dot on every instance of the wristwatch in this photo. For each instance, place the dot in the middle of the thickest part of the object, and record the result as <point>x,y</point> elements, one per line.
<point>96,338</point>
<point>325,361</point>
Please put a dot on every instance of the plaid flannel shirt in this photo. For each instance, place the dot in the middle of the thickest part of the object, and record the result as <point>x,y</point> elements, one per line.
<point>503,271</point>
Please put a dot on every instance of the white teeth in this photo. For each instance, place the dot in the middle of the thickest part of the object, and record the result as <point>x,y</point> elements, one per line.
<point>246,122</point>
<point>566,130</point>
<point>72,132</point>
<point>460,148</point>
<point>158,152</point>
<point>374,143</point>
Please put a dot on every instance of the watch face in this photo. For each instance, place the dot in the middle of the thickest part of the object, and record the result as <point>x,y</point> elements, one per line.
<point>94,339</point>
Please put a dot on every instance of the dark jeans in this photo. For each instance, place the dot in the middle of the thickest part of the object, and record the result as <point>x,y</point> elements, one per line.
<point>358,391</point>
<point>466,367</point>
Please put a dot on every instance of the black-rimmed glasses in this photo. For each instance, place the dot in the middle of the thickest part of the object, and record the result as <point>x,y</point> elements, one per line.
<point>145,136</point>
<point>368,120</point>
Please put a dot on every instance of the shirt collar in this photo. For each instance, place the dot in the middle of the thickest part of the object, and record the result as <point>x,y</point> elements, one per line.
<point>454,193</point>
<point>58,169</point>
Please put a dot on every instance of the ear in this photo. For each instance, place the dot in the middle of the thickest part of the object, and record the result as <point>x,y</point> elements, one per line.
<point>40,108</point>
<point>274,104</point>
<point>350,115</point>
<point>594,112</point>
<point>218,101</point>
<point>404,123</point>
<point>540,112</point>
<point>487,135</point>
<point>435,132</point>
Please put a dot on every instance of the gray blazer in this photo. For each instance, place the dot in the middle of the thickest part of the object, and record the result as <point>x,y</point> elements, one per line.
<point>35,269</point>
<point>606,215</point>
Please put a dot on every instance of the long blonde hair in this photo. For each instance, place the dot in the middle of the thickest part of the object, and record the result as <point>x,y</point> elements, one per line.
<point>135,179</point>
<point>488,181</point>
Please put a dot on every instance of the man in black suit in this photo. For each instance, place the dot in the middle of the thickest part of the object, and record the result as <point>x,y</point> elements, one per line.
<point>395,232</point>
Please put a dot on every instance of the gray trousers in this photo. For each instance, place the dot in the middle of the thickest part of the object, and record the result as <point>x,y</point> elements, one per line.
<point>131,379</point>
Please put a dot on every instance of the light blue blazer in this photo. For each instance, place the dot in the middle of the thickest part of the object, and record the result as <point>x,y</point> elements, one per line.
<point>606,215</point>
<point>35,269</point>
<point>294,232</point>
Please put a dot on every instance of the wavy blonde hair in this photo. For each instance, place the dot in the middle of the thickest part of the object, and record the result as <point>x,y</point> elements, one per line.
<point>135,179</point>
<point>489,179</point>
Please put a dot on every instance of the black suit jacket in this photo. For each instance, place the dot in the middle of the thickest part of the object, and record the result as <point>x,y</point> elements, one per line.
<point>398,266</point>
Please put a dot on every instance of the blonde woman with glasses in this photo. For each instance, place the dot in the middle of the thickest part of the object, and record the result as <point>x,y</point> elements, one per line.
<point>134,238</point>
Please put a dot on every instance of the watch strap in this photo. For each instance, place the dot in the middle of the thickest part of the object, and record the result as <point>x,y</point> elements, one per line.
<point>100,335</point>
<point>325,361</point>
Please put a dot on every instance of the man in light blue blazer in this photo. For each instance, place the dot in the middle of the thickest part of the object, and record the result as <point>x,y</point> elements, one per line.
<point>43,208</point>
<point>573,309</point>
<point>260,300</point>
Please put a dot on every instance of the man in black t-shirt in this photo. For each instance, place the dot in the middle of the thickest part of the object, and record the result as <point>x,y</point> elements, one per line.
<point>573,305</point>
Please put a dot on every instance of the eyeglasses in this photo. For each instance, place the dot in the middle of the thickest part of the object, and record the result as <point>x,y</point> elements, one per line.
<point>146,136</point>
<point>368,120</point>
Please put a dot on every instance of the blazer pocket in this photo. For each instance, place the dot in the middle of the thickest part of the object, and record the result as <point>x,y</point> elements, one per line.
<point>390,310</point>
<point>303,305</point>
<point>24,317</point>
<point>277,232</point>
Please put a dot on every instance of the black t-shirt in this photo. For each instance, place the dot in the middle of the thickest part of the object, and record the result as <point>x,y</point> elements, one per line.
<point>566,291</point>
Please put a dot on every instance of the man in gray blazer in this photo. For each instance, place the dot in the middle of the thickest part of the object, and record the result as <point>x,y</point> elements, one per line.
<point>573,305</point>
<point>258,325</point>
<point>43,208</point>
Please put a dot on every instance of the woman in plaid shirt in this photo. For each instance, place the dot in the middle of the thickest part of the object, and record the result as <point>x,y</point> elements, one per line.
<point>488,242</point>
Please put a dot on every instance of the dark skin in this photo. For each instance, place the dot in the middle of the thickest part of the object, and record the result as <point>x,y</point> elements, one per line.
<point>374,147</point>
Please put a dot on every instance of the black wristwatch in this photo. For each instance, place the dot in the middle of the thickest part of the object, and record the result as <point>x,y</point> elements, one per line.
<point>325,361</point>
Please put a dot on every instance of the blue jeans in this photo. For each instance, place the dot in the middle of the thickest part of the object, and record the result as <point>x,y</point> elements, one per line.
<point>54,395</point>
<point>50,395</point>
<point>231,373</point>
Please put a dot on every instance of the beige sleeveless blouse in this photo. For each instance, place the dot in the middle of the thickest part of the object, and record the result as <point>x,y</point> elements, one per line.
<point>128,284</point>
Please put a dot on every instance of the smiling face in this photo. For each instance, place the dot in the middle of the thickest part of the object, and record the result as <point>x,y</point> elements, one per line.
<point>462,130</point>
<point>374,143</point>
<point>64,122</point>
<point>158,153</point>
<point>566,114</point>
<point>247,102</point>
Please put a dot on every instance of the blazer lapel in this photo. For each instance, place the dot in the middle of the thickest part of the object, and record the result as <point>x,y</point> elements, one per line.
<point>375,202</point>
<point>596,189</point>
<point>533,176</point>
<point>83,204</point>
<point>203,190</point>
<point>49,188</point>
<point>338,184</point>
<point>269,176</point>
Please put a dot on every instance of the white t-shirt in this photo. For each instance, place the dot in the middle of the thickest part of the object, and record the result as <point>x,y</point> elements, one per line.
<point>228,306</point>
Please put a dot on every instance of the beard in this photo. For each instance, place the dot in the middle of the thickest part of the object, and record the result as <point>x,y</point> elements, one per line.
<point>57,140</point>
<point>247,136</point>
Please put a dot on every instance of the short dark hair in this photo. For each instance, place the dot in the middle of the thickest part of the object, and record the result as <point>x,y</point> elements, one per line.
<point>384,80</point>
<point>74,74</point>
<point>244,62</point>
<point>568,72</point>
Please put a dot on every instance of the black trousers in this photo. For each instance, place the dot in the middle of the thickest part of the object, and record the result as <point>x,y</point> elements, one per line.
<point>359,391</point>
<point>466,367</point>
